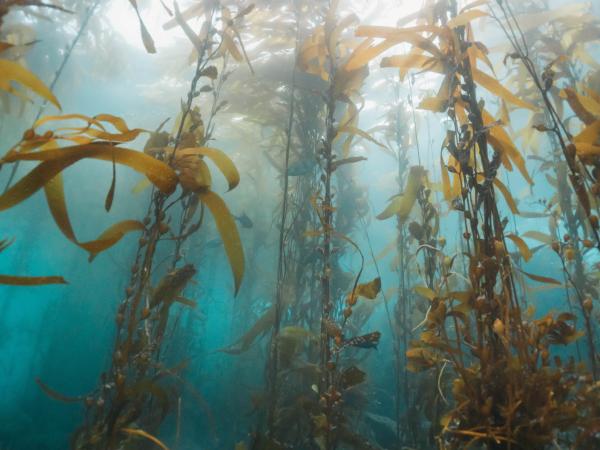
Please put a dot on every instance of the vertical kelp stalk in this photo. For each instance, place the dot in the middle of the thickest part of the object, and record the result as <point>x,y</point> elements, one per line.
<point>578,175</point>
<point>402,302</point>
<point>273,363</point>
<point>131,392</point>
<point>402,299</point>
<point>566,207</point>
<point>69,50</point>
<point>327,218</point>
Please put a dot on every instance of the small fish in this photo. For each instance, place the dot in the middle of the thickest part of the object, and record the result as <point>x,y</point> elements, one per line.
<point>370,340</point>
<point>244,220</point>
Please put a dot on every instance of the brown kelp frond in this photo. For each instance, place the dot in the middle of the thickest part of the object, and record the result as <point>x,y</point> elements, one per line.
<point>54,159</point>
<point>145,435</point>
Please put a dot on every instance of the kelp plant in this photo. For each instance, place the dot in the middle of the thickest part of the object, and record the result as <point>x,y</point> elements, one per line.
<point>506,392</point>
<point>325,54</point>
<point>133,397</point>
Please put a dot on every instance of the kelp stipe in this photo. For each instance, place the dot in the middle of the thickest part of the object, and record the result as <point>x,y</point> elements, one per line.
<point>324,54</point>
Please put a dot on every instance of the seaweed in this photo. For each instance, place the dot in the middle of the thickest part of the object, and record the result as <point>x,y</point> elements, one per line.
<point>419,219</point>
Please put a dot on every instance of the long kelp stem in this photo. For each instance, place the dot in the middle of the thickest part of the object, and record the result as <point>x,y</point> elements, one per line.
<point>274,354</point>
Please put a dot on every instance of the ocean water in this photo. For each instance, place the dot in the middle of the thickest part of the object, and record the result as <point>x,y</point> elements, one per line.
<point>297,273</point>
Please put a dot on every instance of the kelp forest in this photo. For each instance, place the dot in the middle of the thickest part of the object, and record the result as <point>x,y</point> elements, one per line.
<point>299,224</point>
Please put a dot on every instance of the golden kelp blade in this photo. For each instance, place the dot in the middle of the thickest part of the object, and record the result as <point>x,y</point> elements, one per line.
<point>446,188</point>
<point>229,45</point>
<point>587,150</point>
<point>144,434</point>
<point>510,201</point>
<point>586,108</point>
<point>363,55</point>
<point>589,134</point>
<point>494,86</point>
<point>521,245</point>
<point>502,143</point>
<point>54,161</point>
<point>539,236</point>
<point>414,61</point>
<point>11,71</point>
<point>426,292</point>
<point>221,160</point>
<point>369,290</point>
<point>539,278</point>
<point>194,39</point>
<point>55,198</point>
<point>46,119</point>
<point>402,205</point>
<point>229,234</point>
<point>464,18</point>
<point>111,236</point>
<point>14,280</point>
<point>409,35</point>
<point>146,37</point>
<point>32,182</point>
<point>115,121</point>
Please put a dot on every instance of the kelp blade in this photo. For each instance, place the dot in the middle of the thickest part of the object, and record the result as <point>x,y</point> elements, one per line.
<point>14,280</point>
<point>229,234</point>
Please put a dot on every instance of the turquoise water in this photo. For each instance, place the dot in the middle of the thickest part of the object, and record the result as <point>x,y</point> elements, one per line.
<point>64,335</point>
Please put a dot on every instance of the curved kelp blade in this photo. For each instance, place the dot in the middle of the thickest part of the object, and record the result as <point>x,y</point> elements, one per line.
<point>146,435</point>
<point>146,37</point>
<point>55,161</point>
<point>401,205</point>
<point>369,290</point>
<point>55,394</point>
<point>111,236</point>
<point>12,71</point>
<point>229,234</point>
<point>221,160</point>
<point>14,280</point>
<point>55,197</point>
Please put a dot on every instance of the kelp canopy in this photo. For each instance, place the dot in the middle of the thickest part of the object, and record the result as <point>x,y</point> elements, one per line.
<point>316,225</point>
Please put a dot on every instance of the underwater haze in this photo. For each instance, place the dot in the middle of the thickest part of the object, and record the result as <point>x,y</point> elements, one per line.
<point>299,224</point>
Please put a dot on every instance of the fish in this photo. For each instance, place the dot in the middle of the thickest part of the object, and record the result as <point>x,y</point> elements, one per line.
<point>244,220</point>
<point>370,340</point>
